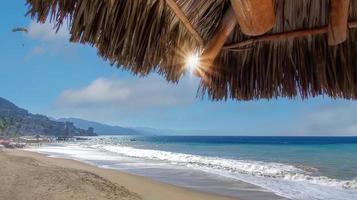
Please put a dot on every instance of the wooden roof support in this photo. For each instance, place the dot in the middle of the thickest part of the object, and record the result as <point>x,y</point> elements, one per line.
<point>214,47</point>
<point>181,15</point>
<point>337,29</point>
<point>278,36</point>
<point>352,24</point>
<point>255,17</point>
<point>285,36</point>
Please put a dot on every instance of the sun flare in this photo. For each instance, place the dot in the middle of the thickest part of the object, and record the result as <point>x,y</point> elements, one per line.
<point>192,62</point>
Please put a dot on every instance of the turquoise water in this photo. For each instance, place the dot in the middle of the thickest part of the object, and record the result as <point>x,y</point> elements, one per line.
<point>335,157</point>
<point>301,168</point>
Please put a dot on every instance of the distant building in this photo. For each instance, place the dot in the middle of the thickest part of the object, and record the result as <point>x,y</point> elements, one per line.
<point>90,131</point>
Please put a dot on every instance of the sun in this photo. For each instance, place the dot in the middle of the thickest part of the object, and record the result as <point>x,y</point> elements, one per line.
<point>192,62</point>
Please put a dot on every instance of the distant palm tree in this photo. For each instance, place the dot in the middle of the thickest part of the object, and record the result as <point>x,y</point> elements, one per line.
<point>5,123</point>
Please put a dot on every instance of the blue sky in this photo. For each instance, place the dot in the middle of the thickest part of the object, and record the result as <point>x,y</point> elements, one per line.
<point>44,73</point>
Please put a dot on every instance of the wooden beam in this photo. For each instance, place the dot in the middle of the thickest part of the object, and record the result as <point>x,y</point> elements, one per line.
<point>352,24</point>
<point>278,36</point>
<point>214,47</point>
<point>285,36</point>
<point>337,29</point>
<point>179,13</point>
<point>255,17</point>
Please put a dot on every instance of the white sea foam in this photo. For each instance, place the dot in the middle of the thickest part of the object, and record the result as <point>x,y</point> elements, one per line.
<point>283,179</point>
<point>255,168</point>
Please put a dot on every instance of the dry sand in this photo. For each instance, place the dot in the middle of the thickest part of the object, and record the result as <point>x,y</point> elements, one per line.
<point>27,176</point>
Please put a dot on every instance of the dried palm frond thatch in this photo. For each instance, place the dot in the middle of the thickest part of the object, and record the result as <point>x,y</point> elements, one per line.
<point>146,35</point>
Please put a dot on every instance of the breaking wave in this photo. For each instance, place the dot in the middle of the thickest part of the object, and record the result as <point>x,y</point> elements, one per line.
<point>230,166</point>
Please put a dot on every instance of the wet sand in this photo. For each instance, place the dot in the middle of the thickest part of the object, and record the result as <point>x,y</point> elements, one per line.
<point>27,175</point>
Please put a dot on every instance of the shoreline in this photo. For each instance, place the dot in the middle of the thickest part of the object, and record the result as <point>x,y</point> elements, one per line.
<point>182,177</point>
<point>133,186</point>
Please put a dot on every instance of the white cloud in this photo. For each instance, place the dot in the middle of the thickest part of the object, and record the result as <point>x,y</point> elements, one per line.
<point>334,118</point>
<point>46,32</point>
<point>100,91</point>
<point>125,101</point>
<point>130,93</point>
<point>48,41</point>
<point>37,50</point>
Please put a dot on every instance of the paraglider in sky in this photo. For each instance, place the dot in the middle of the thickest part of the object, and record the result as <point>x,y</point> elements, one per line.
<point>19,29</point>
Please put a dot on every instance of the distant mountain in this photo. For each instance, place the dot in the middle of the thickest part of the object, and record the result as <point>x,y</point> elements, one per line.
<point>169,132</point>
<point>183,132</point>
<point>154,131</point>
<point>101,129</point>
<point>6,106</point>
<point>15,121</point>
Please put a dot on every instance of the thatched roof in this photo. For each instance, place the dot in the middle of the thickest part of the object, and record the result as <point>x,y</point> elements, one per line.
<point>146,35</point>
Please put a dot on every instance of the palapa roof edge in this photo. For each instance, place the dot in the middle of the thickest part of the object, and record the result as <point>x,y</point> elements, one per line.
<point>145,36</point>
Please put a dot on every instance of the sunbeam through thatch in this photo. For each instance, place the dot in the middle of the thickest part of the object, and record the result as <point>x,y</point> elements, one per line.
<point>293,58</point>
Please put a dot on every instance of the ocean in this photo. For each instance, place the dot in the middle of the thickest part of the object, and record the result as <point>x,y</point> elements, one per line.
<point>301,168</point>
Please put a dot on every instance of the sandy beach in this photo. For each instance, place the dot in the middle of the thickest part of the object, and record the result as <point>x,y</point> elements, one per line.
<point>27,175</point>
